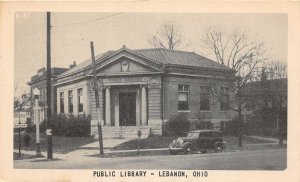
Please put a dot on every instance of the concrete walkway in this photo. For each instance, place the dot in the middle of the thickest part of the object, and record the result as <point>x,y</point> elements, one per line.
<point>275,140</point>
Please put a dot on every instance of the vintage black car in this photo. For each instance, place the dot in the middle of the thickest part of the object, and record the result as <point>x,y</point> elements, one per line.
<point>198,140</point>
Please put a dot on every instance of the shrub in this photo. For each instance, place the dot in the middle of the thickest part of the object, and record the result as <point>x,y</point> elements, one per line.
<point>69,125</point>
<point>178,125</point>
<point>232,127</point>
<point>200,125</point>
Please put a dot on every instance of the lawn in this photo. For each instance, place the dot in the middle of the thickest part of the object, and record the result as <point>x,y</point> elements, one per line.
<point>23,156</point>
<point>163,142</point>
<point>61,144</point>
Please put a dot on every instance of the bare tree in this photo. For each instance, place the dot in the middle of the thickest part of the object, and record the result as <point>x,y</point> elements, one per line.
<point>20,101</point>
<point>277,72</point>
<point>238,53</point>
<point>168,36</point>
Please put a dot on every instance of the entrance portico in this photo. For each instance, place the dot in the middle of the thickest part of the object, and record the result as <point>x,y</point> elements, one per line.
<point>126,105</point>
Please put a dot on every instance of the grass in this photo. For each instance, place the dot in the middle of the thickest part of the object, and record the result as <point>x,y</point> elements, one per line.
<point>61,144</point>
<point>163,142</point>
<point>23,156</point>
<point>146,143</point>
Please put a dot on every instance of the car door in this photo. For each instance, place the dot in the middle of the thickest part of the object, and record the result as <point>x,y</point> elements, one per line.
<point>202,142</point>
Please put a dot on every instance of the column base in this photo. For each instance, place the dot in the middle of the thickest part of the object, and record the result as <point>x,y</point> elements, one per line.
<point>38,150</point>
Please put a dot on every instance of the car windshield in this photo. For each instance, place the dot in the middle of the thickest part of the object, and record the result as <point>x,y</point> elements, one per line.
<point>193,135</point>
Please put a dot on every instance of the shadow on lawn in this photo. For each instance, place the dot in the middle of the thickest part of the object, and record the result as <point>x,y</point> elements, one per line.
<point>61,144</point>
<point>163,142</point>
<point>146,143</point>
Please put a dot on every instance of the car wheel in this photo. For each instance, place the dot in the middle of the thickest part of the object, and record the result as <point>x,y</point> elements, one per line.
<point>173,152</point>
<point>187,150</point>
<point>218,147</point>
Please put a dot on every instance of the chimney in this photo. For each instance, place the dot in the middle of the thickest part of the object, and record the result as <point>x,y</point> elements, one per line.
<point>73,65</point>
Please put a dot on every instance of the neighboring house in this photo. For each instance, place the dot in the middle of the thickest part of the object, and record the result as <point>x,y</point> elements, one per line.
<point>141,89</point>
<point>39,81</point>
<point>22,109</point>
<point>266,106</point>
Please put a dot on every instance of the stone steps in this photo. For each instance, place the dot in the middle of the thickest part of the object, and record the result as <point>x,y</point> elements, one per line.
<point>123,132</point>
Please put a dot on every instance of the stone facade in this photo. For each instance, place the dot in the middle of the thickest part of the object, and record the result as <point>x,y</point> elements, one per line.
<point>142,88</point>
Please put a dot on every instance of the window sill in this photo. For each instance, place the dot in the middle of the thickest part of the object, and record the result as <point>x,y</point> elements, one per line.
<point>184,111</point>
<point>205,110</point>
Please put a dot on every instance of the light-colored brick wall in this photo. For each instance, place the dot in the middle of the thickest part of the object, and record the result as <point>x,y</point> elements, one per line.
<point>171,99</point>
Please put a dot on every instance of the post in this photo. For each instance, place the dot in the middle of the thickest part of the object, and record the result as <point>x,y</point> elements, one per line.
<point>139,133</point>
<point>48,124</point>
<point>19,133</point>
<point>36,94</point>
<point>99,124</point>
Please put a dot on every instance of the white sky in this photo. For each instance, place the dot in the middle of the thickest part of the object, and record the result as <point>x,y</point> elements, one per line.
<point>72,33</point>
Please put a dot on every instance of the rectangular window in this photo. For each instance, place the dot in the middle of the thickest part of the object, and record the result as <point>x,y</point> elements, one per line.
<point>204,98</point>
<point>41,94</point>
<point>70,101</point>
<point>61,101</point>
<point>183,97</point>
<point>45,94</point>
<point>80,100</point>
<point>224,105</point>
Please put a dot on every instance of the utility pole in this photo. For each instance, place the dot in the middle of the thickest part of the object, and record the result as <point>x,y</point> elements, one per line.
<point>48,123</point>
<point>99,124</point>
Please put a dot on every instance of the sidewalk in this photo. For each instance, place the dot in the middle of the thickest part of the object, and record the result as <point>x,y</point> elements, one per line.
<point>267,139</point>
<point>84,153</point>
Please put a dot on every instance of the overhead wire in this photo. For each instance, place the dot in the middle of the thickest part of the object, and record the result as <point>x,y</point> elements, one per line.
<point>86,21</point>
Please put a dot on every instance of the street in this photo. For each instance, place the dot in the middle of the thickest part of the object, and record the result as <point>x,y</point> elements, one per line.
<point>241,160</point>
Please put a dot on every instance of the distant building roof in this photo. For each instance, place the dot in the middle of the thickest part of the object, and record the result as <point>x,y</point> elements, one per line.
<point>161,55</point>
<point>255,88</point>
<point>55,71</point>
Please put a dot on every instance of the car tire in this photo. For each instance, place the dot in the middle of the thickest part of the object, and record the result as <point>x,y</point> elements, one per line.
<point>187,150</point>
<point>218,147</point>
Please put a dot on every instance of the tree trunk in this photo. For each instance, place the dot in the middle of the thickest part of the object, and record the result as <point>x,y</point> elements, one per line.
<point>280,132</point>
<point>240,126</point>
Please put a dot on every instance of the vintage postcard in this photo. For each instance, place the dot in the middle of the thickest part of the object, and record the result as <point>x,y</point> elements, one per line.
<point>131,91</point>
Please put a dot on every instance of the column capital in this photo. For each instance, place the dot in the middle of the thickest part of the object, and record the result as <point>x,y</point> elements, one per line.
<point>143,85</point>
<point>106,87</point>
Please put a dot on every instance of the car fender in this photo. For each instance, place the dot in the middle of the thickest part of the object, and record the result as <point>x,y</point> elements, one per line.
<point>185,144</point>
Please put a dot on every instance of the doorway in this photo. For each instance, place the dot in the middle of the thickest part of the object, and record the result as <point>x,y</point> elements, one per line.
<point>127,112</point>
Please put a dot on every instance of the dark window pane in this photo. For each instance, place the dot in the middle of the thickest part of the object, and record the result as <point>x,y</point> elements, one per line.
<point>204,101</point>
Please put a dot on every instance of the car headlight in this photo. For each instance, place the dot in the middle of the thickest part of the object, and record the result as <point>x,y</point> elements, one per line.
<point>180,141</point>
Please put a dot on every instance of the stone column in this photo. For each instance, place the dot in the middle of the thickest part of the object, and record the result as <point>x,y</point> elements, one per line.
<point>144,105</point>
<point>107,107</point>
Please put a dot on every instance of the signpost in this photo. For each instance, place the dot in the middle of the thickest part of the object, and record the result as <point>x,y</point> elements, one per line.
<point>139,133</point>
<point>36,94</point>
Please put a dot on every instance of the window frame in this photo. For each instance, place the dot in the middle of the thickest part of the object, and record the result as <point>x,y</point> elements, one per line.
<point>224,93</point>
<point>70,98</point>
<point>80,100</point>
<point>61,102</point>
<point>185,90</point>
<point>205,90</point>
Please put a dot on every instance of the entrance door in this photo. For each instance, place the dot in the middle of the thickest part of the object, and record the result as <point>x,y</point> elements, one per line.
<point>127,109</point>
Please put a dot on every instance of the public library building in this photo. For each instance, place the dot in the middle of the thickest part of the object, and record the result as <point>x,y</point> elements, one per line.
<point>141,89</point>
